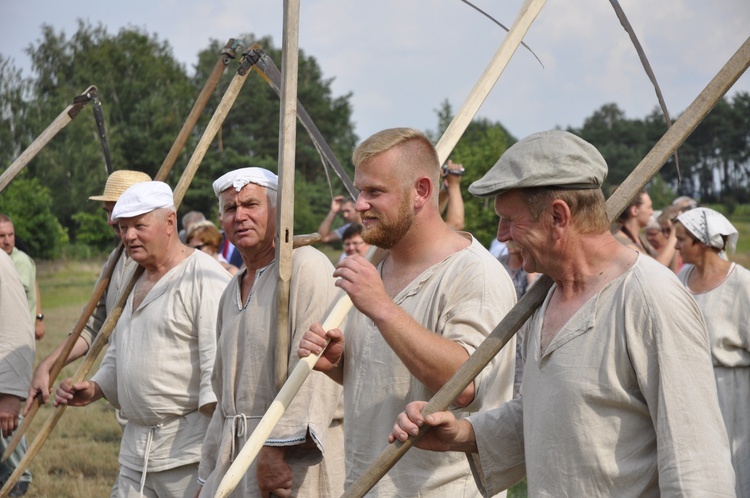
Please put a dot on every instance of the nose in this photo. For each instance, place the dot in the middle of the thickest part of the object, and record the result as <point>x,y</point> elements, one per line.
<point>503,230</point>
<point>361,205</point>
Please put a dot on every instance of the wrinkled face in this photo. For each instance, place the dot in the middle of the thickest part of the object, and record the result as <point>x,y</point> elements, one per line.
<point>247,217</point>
<point>690,249</point>
<point>7,236</point>
<point>146,236</point>
<point>524,236</point>
<point>348,212</point>
<point>655,237</point>
<point>384,204</point>
<point>355,245</point>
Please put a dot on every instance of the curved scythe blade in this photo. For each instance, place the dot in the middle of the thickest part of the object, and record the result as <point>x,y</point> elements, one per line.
<point>99,118</point>
<point>646,66</point>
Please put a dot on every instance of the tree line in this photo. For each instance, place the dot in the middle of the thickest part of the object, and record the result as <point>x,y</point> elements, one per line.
<point>147,94</point>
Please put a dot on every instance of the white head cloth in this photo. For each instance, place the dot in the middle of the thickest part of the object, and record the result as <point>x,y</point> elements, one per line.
<point>240,177</point>
<point>709,226</point>
<point>143,198</point>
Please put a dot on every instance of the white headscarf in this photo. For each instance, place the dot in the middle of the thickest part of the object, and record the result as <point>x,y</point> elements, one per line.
<point>709,227</point>
<point>241,177</point>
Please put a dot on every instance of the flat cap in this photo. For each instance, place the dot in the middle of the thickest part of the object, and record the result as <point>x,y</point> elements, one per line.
<point>143,198</point>
<point>554,158</point>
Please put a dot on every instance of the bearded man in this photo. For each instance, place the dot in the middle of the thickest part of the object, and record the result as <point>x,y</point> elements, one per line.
<point>419,315</point>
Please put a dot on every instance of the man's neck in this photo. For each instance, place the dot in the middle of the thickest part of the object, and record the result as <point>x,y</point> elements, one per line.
<point>258,257</point>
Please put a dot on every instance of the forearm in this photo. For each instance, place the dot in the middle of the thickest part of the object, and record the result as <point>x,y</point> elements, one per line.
<point>79,349</point>
<point>325,227</point>
<point>454,217</point>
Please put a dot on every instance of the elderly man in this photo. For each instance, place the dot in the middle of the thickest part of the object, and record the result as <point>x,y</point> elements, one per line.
<point>117,183</point>
<point>157,369</point>
<point>16,363</point>
<point>26,270</point>
<point>304,454</point>
<point>419,315</point>
<point>618,396</point>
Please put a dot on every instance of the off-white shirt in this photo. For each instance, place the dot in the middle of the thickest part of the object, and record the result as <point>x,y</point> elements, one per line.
<point>621,403</point>
<point>462,298</point>
<point>244,381</point>
<point>157,369</point>
<point>16,333</point>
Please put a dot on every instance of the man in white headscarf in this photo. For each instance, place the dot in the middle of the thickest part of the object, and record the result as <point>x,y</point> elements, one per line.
<point>303,456</point>
<point>157,369</point>
<point>722,290</point>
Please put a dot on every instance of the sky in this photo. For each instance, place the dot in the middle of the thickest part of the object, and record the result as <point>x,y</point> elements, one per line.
<point>400,59</point>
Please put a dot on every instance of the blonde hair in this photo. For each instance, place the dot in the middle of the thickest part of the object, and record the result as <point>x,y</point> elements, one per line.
<point>207,233</point>
<point>416,154</point>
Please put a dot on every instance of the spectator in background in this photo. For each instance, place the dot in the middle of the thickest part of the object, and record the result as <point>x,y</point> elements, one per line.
<point>26,269</point>
<point>722,290</point>
<point>665,219</point>
<point>16,365</point>
<point>685,203</point>
<point>188,220</point>
<point>353,242</point>
<point>205,237</point>
<point>450,201</point>
<point>342,205</point>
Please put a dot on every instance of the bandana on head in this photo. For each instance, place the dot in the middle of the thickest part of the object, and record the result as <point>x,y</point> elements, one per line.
<point>709,227</point>
<point>240,177</point>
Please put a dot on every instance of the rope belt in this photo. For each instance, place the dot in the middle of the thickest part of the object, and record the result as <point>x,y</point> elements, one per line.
<point>239,428</point>
<point>149,440</point>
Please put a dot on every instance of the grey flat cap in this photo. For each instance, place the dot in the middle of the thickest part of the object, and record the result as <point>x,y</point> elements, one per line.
<point>552,158</point>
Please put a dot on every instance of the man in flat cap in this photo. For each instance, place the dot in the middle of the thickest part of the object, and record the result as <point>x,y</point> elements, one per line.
<point>157,368</point>
<point>419,315</point>
<point>617,397</point>
<point>303,456</point>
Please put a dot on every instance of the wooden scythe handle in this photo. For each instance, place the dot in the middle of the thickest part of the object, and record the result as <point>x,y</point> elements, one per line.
<point>526,306</point>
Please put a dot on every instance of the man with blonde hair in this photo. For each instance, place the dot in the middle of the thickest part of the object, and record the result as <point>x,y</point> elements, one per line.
<point>419,315</point>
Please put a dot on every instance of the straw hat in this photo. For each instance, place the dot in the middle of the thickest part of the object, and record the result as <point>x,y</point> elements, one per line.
<point>118,182</point>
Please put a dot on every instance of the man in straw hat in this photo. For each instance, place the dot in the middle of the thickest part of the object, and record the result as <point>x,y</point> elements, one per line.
<point>420,313</point>
<point>117,183</point>
<point>618,396</point>
<point>303,456</point>
<point>157,368</point>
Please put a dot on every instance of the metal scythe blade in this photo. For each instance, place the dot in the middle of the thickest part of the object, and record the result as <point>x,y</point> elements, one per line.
<point>99,118</point>
<point>647,67</point>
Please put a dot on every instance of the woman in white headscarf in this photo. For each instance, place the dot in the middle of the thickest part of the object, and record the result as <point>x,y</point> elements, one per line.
<point>722,290</point>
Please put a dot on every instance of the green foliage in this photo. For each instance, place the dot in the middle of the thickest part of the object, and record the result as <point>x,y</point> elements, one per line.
<point>29,205</point>
<point>660,192</point>
<point>92,230</point>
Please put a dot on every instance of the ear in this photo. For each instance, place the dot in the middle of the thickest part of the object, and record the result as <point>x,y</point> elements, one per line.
<point>171,221</point>
<point>561,217</point>
<point>424,190</point>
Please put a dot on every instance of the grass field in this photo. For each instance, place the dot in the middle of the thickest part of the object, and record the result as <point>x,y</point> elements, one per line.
<point>80,457</point>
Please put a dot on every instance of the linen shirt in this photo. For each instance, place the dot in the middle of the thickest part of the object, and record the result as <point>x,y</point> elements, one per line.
<point>27,271</point>
<point>462,298</point>
<point>16,333</point>
<point>726,309</point>
<point>157,370</point>
<point>621,403</point>
<point>244,382</point>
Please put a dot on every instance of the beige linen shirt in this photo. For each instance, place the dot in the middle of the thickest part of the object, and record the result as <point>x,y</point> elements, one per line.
<point>157,369</point>
<point>621,403</point>
<point>244,381</point>
<point>726,308</point>
<point>27,271</point>
<point>16,333</point>
<point>462,298</point>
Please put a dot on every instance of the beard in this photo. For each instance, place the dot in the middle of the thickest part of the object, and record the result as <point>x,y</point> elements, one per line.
<point>387,234</point>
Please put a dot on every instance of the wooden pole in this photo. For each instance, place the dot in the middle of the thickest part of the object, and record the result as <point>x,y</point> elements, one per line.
<point>506,329</point>
<point>285,211</point>
<point>103,283</point>
<point>60,122</point>
<point>529,10</point>
<point>109,324</point>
